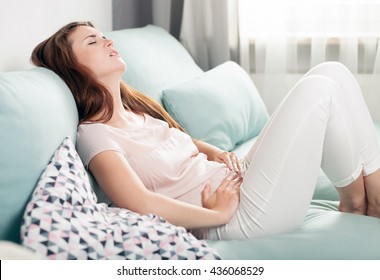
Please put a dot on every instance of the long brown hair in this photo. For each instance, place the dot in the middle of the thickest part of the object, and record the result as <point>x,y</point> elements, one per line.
<point>91,97</point>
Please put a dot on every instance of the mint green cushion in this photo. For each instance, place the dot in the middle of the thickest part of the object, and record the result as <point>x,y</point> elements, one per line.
<point>37,111</point>
<point>221,106</point>
<point>155,59</point>
<point>325,234</point>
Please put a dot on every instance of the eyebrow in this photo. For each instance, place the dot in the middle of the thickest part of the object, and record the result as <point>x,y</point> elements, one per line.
<point>90,36</point>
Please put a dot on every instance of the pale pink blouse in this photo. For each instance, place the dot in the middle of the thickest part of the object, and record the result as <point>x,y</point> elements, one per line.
<point>166,159</point>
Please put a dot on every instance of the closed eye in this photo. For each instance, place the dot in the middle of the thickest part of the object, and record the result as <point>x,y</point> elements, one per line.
<point>91,38</point>
<point>94,42</point>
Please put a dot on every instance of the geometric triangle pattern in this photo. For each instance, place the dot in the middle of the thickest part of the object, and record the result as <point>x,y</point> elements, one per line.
<point>63,220</point>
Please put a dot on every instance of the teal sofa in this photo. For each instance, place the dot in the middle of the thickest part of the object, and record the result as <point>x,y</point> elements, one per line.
<point>37,112</point>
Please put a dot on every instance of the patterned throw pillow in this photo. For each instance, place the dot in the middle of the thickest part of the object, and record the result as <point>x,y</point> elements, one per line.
<point>64,221</point>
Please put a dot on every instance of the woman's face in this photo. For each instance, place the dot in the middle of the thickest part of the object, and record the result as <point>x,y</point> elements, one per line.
<point>97,53</point>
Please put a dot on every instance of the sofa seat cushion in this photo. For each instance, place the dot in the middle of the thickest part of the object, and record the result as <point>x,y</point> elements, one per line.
<point>325,234</point>
<point>64,221</point>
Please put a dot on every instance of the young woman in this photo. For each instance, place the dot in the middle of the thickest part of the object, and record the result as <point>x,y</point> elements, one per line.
<point>144,161</point>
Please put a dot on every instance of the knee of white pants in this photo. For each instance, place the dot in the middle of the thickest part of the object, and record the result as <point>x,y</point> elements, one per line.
<point>329,67</point>
<point>312,88</point>
<point>305,94</point>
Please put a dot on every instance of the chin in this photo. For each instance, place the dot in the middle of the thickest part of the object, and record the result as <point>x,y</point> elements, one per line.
<point>122,69</point>
<point>123,66</point>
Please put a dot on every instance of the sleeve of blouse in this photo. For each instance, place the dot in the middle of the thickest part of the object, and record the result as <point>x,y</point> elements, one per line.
<point>93,139</point>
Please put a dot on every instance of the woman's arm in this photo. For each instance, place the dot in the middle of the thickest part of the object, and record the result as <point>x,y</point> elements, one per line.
<point>125,189</point>
<point>215,154</point>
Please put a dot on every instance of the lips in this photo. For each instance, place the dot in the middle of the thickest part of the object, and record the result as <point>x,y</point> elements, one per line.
<point>114,53</point>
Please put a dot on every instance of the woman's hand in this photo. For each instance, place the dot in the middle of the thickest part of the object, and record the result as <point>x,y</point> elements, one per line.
<point>225,199</point>
<point>231,160</point>
<point>215,154</point>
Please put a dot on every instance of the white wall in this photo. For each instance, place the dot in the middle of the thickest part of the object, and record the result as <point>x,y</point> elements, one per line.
<point>25,23</point>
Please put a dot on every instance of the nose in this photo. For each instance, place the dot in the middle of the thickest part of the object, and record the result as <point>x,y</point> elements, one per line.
<point>109,42</point>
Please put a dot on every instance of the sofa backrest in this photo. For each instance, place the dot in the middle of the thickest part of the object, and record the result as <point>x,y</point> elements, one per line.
<point>155,60</point>
<point>37,111</point>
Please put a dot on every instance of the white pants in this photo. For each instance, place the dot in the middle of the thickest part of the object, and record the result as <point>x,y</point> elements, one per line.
<point>322,123</point>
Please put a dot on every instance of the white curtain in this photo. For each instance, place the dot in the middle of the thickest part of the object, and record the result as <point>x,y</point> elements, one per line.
<point>280,40</point>
<point>209,31</point>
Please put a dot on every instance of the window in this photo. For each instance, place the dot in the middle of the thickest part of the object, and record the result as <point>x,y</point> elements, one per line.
<point>298,18</point>
<point>307,32</point>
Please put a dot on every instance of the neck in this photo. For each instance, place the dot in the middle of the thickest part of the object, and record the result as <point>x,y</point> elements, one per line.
<point>120,116</point>
<point>117,102</point>
<point>113,87</point>
<point>112,83</point>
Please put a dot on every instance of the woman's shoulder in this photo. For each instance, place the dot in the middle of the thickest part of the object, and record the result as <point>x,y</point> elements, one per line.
<point>94,138</point>
<point>91,127</point>
<point>89,131</point>
<point>94,133</point>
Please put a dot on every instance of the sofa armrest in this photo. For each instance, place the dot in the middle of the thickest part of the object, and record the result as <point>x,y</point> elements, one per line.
<point>12,251</point>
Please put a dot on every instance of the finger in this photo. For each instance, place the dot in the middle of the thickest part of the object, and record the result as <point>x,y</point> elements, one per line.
<point>238,186</point>
<point>206,193</point>
<point>235,181</point>
<point>229,161</point>
<point>240,166</point>
<point>227,181</point>
<point>206,189</point>
<point>235,162</point>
